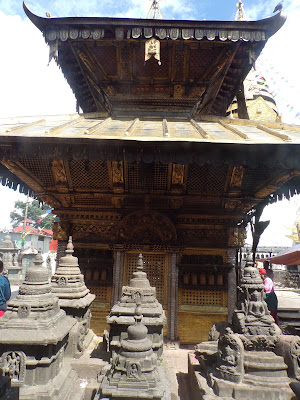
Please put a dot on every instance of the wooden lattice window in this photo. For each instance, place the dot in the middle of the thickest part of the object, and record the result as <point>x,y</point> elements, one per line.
<point>203,297</point>
<point>103,294</point>
<point>206,178</point>
<point>39,167</point>
<point>89,174</point>
<point>155,266</point>
<point>152,176</point>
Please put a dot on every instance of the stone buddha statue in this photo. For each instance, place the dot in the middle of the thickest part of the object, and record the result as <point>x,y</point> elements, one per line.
<point>252,316</point>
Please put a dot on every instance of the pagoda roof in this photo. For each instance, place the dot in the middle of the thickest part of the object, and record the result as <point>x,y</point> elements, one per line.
<point>97,136</point>
<point>202,62</point>
<point>34,150</point>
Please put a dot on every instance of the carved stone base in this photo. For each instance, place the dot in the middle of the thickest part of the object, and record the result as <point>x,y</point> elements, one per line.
<point>59,388</point>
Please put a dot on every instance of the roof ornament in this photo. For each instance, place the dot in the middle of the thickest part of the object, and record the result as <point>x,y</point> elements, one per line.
<point>155,9</point>
<point>240,14</point>
<point>152,48</point>
<point>278,7</point>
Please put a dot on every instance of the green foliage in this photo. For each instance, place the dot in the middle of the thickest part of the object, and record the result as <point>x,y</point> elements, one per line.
<point>34,213</point>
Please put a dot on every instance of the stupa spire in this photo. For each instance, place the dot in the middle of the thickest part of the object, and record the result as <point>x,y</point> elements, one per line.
<point>240,13</point>
<point>154,11</point>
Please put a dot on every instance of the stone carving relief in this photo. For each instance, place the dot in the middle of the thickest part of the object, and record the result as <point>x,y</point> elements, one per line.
<point>295,357</point>
<point>147,227</point>
<point>133,370</point>
<point>230,357</point>
<point>13,366</point>
<point>81,334</point>
<point>23,311</point>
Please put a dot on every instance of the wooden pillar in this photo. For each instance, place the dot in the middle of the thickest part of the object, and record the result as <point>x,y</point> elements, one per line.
<point>173,295</point>
<point>232,286</point>
<point>117,274</point>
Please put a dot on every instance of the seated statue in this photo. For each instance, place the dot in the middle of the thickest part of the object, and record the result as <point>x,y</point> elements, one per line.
<point>258,310</point>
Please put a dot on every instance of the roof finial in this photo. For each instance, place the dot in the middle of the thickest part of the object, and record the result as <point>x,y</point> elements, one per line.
<point>240,14</point>
<point>155,9</point>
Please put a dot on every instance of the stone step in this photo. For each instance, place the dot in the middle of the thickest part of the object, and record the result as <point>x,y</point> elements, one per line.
<point>266,381</point>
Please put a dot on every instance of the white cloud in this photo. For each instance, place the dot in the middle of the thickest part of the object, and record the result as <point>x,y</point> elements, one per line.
<point>8,197</point>
<point>279,62</point>
<point>28,86</point>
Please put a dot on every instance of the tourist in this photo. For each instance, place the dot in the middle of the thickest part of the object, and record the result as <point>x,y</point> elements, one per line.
<point>5,292</point>
<point>271,298</point>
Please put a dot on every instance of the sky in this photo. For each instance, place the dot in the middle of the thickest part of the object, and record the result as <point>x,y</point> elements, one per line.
<point>30,87</point>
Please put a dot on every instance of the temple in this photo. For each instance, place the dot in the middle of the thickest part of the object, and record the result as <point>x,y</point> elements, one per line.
<point>151,164</point>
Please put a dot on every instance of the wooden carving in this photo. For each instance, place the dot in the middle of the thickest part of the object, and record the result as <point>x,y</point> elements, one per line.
<point>178,174</point>
<point>59,173</point>
<point>152,48</point>
<point>237,176</point>
<point>117,172</point>
<point>147,227</point>
<point>61,230</point>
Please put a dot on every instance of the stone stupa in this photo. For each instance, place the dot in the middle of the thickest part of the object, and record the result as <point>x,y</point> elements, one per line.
<point>74,298</point>
<point>9,255</point>
<point>34,334</point>
<point>122,314</point>
<point>134,372</point>
<point>252,359</point>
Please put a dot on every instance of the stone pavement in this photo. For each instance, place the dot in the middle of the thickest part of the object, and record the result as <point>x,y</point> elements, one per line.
<point>176,367</point>
<point>288,298</point>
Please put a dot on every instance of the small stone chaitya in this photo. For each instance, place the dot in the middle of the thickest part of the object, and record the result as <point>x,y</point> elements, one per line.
<point>74,297</point>
<point>122,314</point>
<point>134,372</point>
<point>251,359</point>
<point>9,256</point>
<point>34,335</point>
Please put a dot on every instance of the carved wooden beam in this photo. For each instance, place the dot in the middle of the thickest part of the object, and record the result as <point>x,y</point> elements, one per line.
<point>274,184</point>
<point>216,78</point>
<point>87,72</point>
<point>33,182</point>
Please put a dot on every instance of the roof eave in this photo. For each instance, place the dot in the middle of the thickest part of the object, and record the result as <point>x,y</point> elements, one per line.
<point>271,25</point>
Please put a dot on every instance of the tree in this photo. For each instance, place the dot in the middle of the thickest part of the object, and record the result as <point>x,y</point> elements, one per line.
<point>35,213</point>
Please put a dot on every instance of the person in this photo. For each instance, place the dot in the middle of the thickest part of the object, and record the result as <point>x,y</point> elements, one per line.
<point>271,298</point>
<point>5,291</point>
<point>267,267</point>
